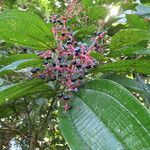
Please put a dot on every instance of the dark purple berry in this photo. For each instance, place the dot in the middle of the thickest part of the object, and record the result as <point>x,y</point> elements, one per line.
<point>53,79</point>
<point>60,95</point>
<point>65,65</point>
<point>74,62</point>
<point>95,66</point>
<point>68,29</point>
<point>95,45</point>
<point>59,58</point>
<point>24,50</point>
<point>73,80</point>
<point>59,74</point>
<point>80,77</point>
<point>69,39</point>
<point>33,70</point>
<point>61,66</point>
<point>76,53</point>
<point>63,34</point>
<point>77,49</point>
<point>45,63</point>
<point>69,42</point>
<point>54,21</point>
<point>75,43</point>
<point>88,67</point>
<point>78,66</point>
<point>69,108</point>
<point>95,33</point>
<point>99,33</point>
<point>37,69</point>
<point>42,76</point>
<point>48,58</point>
<point>53,64</point>
<point>40,53</point>
<point>66,97</point>
<point>58,21</point>
<point>64,47</point>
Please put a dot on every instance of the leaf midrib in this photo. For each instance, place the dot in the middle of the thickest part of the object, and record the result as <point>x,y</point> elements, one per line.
<point>139,122</point>
<point>101,118</point>
<point>77,131</point>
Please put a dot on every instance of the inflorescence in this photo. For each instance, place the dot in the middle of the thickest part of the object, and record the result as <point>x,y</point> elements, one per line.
<point>70,61</point>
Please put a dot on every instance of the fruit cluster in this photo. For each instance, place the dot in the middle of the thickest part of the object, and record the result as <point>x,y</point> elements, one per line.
<point>70,61</point>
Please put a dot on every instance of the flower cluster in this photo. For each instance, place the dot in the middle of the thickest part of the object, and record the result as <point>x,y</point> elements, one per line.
<point>70,61</point>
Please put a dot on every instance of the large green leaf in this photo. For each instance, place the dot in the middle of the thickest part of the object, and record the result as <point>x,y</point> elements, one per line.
<point>84,32</point>
<point>13,65</point>
<point>128,83</point>
<point>129,51</point>
<point>144,1</point>
<point>89,3</point>
<point>30,63</point>
<point>7,107</point>
<point>143,10</point>
<point>25,28</point>
<point>128,6</point>
<point>105,116</point>
<point>136,22</point>
<point>115,28</point>
<point>13,58</point>
<point>25,88</point>
<point>137,66</point>
<point>96,12</point>
<point>9,3</point>
<point>98,56</point>
<point>128,37</point>
<point>20,61</point>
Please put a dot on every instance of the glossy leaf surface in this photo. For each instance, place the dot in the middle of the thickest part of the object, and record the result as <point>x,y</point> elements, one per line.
<point>94,123</point>
<point>25,28</point>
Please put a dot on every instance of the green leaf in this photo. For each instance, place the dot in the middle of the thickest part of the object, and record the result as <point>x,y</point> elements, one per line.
<point>25,28</point>
<point>7,108</point>
<point>143,10</point>
<point>144,1</point>
<point>25,88</point>
<point>5,87</point>
<point>19,61</point>
<point>128,83</point>
<point>115,28</point>
<point>84,32</point>
<point>13,58</point>
<point>89,3</point>
<point>1,82</point>
<point>14,65</point>
<point>128,37</point>
<point>129,6</point>
<point>98,56</point>
<point>142,52</point>
<point>7,72</point>
<point>30,63</point>
<point>136,22</point>
<point>96,12</point>
<point>136,66</point>
<point>105,115</point>
<point>129,51</point>
<point>9,3</point>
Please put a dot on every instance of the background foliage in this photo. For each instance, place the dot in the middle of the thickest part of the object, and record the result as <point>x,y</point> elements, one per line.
<point>29,114</point>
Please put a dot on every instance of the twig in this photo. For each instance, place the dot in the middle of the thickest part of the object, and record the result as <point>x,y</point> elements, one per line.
<point>50,109</point>
<point>9,128</point>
